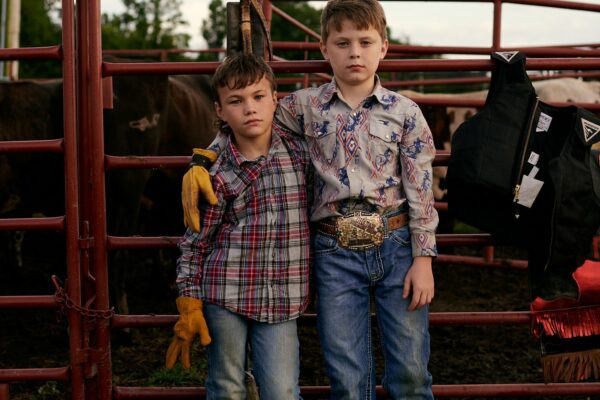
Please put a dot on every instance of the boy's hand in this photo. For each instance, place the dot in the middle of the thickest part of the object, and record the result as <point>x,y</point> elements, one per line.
<point>419,280</point>
<point>196,181</point>
<point>191,322</point>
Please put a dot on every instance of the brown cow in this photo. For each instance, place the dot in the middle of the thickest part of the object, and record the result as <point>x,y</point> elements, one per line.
<point>152,115</point>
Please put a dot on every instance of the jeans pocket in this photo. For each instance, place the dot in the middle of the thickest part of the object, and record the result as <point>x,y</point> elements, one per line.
<point>324,244</point>
<point>401,236</point>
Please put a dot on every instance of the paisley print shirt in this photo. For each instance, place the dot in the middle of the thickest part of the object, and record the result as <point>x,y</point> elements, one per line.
<point>376,157</point>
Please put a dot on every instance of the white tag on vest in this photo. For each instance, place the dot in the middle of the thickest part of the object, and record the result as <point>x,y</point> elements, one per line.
<point>543,123</point>
<point>530,188</point>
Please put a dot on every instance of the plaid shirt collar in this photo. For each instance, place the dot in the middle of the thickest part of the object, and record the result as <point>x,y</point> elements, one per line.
<point>237,159</point>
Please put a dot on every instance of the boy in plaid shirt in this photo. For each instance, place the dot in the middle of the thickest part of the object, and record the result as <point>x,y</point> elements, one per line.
<point>246,268</point>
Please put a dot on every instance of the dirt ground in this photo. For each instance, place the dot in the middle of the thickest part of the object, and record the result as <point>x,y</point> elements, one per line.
<point>459,354</point>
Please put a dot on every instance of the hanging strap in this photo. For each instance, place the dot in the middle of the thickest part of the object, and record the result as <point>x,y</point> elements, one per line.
<point>246,25</point>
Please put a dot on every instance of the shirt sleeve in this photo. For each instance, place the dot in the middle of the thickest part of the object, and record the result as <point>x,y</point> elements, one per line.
<point>196,246</point>
<point>417,152</point>
<point>219,143</point>
<point>287,116</point>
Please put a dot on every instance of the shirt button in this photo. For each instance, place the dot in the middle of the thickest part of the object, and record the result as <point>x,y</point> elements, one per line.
<point>353,169</point>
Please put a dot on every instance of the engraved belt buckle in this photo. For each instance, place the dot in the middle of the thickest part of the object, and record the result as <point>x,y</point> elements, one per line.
<point>360,230</point>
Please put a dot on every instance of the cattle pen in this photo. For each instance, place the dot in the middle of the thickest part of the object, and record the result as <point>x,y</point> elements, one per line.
<point>85,299</point>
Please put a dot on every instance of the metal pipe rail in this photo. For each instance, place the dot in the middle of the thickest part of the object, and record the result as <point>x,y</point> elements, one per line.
<point>442,81</point>
<point>120,321</point>
<point>316,392</point>
<point>140,242</point>
<point>32,146</point>
<point>21,302</point>
<point>30,53</point>
<point>541,51</point>
<point>53,223</point>
<point>34,374</point>
<point>412,65</point>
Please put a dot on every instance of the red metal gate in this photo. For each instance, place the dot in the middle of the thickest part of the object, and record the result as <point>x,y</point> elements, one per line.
<point>90,319</point>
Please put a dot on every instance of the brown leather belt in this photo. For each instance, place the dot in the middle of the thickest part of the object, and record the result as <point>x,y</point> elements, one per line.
<point>361,230</point>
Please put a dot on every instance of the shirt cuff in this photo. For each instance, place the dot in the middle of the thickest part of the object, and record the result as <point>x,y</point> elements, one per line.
<point>423,244</point>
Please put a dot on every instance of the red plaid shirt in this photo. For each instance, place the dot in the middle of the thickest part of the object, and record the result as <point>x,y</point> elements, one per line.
<point>251,255</point>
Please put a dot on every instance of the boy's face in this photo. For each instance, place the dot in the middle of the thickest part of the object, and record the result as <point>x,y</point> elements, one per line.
<point>354,54</point>
<point>249,110</point>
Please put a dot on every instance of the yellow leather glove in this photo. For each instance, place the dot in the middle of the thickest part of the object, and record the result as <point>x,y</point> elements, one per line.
<point>196,181</point>
<point>191,322</point>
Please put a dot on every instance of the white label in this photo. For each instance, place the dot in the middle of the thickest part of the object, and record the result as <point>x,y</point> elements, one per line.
<point>543,123</point>
<point>530,188</point>
<point>533,172</point>
<point>533,158</point>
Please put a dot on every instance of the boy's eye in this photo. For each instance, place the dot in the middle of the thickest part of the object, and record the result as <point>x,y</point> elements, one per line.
<point>234,101</point>
<point>259,96</point>
<point>342,44</point>
<point>366,42</point>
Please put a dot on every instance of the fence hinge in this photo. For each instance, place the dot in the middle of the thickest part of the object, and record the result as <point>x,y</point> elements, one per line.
<point>89,358</point>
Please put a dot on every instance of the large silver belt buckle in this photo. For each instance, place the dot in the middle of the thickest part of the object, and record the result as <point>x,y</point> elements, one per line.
<point>360,230</point>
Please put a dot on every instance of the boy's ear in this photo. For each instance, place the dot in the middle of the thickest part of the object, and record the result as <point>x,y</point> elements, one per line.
<point>218,109</point>
<point>275,97</point>
<point>384,48</point>
<point>323,49</point>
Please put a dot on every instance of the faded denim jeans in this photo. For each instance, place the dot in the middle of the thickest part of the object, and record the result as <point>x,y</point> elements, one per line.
<point>275,356</point>
<point>345,279</point>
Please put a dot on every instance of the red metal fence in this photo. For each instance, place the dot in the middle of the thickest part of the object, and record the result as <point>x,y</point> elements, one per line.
<point>90,320</point>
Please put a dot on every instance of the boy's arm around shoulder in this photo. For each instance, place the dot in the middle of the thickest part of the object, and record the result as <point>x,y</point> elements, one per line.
<point>287,116</point>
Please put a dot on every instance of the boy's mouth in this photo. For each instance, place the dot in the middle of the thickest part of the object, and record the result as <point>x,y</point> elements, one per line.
<point>355,67</point>
<point>252,122</point>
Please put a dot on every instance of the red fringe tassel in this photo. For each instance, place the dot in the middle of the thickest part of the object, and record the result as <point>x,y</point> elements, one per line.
<point>567,323</point>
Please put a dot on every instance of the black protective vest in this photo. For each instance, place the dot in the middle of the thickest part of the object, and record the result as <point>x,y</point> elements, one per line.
<point>517,142</point>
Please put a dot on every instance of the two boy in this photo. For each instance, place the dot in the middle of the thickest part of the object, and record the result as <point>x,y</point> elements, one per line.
<point>373,209</point>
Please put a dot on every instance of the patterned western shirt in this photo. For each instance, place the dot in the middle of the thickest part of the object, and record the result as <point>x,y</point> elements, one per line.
<point>251,255</point>
<point>375,157</point>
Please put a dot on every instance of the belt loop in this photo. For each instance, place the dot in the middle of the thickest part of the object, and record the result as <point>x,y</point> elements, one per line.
<point>386,229</point>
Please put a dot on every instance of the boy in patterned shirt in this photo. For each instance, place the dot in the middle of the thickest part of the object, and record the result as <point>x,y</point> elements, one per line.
<point>373,210</point>
<point>246,268</point>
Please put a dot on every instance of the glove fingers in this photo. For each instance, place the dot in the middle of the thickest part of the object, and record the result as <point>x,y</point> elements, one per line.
<point>208,193</point>
<point>185,353</point>
<point>203,332</point>
<point>173,352</point>
<point>189,200</point>
<point>191,218</point>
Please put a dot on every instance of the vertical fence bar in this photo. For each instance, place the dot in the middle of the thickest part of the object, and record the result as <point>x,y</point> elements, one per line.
<point>98,212</point>
<point>497,28</point>
<point>71,196</point>
<point>98,384</point>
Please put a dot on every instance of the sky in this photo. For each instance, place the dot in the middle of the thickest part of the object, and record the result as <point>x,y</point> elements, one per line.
<point>449,24</point>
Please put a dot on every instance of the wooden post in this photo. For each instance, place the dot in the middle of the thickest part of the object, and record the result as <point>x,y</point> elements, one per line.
<point>234,36</point>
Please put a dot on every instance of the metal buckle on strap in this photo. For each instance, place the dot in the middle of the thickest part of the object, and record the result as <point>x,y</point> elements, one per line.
<point>360,230</point>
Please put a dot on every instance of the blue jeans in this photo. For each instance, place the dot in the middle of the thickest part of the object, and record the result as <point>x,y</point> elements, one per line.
<point>345,280</point>
<point>275,356</point>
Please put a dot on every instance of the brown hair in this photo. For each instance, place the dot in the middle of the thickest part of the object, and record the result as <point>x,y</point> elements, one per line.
<point>364,14</point>
<point>240,70</point>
